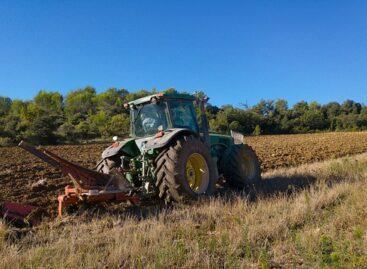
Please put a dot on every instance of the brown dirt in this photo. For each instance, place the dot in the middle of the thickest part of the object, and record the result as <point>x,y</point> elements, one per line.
<point>19,169</point>
<point>277,151</point>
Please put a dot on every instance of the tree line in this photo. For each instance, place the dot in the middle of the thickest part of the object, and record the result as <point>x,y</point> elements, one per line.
<point>84,114</point>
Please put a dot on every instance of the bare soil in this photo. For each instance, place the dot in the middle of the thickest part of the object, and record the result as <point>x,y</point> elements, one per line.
<point>277,151</point>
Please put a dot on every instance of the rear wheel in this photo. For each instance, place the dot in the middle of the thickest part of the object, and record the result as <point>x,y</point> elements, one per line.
<point>240,166</point>
<point>185,170</point>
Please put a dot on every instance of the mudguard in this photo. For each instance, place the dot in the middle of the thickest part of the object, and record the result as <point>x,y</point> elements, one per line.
<point>156,142</point>
<point>127,146</point>
<point>134,146</point>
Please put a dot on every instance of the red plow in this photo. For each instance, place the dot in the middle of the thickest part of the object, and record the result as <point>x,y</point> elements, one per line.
<point>89,187</point>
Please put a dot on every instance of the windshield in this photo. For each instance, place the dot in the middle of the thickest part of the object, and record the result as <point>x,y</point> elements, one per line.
<point>148,118</point>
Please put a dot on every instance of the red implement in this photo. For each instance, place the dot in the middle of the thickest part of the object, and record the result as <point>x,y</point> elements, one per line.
<point>73,196</point>
<point>90,186</point>
<point>18,213</point>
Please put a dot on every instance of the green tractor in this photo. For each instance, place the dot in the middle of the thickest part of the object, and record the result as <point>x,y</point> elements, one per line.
<point>170,152</point>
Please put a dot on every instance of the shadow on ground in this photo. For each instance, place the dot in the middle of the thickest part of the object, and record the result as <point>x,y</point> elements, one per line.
<point>287,185</point>
<point>270,186</point>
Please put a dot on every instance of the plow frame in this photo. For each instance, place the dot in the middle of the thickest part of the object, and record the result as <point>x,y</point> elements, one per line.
<point>90,187</point>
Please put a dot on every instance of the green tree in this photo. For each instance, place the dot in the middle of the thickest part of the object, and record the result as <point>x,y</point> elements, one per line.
<point>220,123</point>
<point>281,106</point>
<point>85,130</point>
<point>139,94</point>
<point>17,121</point>
<point>362,119</point>
<point>48,102</point>
<point>264,108</point>
<point>41,131</point>
<point>111,101</point>
<point>67,132</point>
<point>45,115</point>
<point>235,126</point>
<point>332,109</point>
<point>347,122</point>
<point>312,120</point>
<point>100,123</point>
<point>5,105</point>
<point>280,117</point>
<point>351,107</point>
<point>80,104</point>
<point>119,125</point>
<point>299,109</point>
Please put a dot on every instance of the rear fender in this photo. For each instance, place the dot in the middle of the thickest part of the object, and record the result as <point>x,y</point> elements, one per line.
<point>125,147</point>
<point>156,142</point>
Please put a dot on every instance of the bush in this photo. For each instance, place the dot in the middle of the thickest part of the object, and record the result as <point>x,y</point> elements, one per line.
<point>234,126</point>
<point>67,132</point>
<point>257,130</point>
<point>6,141</point>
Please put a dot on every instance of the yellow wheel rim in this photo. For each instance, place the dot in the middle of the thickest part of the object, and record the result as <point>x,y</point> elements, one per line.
<point>197,173</point>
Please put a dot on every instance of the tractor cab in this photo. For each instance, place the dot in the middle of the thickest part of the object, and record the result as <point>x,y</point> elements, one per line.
<point>161,112</point>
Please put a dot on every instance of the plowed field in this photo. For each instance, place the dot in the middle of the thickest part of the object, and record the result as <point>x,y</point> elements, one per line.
<point>19,170</point>
<point>292,150</point>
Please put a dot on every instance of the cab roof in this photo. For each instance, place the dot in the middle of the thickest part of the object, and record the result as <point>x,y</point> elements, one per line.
<point>162,95</point>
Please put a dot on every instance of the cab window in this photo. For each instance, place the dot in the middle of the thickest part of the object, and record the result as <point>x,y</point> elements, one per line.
<point>148,119</point>
<point>183,115</point>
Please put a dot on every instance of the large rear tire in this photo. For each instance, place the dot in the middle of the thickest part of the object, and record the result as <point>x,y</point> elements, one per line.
<point>185,170</point>
<point>240,166</point>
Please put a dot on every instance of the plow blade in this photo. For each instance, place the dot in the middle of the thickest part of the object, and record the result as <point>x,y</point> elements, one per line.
<point>19,214</point>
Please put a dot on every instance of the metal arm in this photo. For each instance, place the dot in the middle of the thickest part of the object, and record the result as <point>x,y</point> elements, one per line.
<point>81,176</point>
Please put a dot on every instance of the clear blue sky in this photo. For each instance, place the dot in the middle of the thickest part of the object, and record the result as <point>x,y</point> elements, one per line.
<point>234,51</point>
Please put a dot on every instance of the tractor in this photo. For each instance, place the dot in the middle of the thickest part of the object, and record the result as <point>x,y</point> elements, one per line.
<point>172,154</point>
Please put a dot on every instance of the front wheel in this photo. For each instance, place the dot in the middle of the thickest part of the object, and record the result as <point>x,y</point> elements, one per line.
<point>185,170</point>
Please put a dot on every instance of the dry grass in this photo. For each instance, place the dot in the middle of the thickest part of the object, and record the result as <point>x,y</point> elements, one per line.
<point>310,216</point>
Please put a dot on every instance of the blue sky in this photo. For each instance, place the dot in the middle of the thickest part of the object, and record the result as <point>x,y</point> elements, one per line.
<point>236,51</point>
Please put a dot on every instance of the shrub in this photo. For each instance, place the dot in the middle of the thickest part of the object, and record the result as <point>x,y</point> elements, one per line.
<point>5,141</point>
<point>257,130</point>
